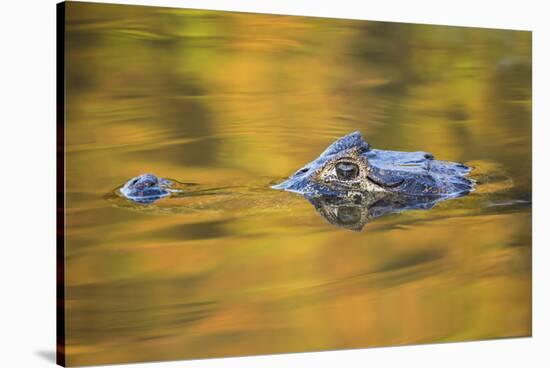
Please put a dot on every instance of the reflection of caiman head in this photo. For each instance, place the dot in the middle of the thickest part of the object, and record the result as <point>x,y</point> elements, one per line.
<point>351,165</point>
<point>354,212</point>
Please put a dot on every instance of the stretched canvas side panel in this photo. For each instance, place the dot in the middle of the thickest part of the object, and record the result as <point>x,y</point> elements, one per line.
<point>60,102</point>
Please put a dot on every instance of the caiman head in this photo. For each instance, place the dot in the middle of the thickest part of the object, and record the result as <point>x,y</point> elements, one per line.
<point>350,167</point>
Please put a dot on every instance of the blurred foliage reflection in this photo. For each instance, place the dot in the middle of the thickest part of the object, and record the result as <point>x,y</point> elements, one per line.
<point>239,101</point>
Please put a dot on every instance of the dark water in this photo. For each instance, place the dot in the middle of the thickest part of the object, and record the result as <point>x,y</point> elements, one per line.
<point>232,103</point>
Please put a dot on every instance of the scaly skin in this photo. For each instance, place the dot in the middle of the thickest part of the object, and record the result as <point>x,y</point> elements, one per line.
<point>146,188</point>
<point>350,167</point>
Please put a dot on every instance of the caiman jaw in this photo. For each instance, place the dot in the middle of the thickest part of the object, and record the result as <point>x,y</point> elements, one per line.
<point>387,186</point>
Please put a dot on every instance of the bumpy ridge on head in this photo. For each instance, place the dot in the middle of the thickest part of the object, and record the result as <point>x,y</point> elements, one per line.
<point>346,142</point>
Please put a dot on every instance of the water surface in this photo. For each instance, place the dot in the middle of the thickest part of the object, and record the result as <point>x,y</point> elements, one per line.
<point>237,102</point>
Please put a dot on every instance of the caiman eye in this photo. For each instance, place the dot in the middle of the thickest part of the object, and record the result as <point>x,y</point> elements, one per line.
<point>347,170</point>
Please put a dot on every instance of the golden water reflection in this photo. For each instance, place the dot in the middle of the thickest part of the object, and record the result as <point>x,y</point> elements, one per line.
<point>239,101</point>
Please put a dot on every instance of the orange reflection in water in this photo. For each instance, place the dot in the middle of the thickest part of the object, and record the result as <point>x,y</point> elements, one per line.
<point>240,101</point>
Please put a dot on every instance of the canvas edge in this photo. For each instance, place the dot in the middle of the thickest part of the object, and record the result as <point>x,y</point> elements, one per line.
<point>60,184</point>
